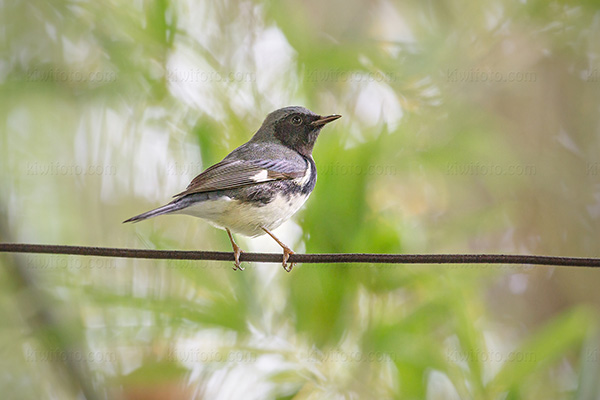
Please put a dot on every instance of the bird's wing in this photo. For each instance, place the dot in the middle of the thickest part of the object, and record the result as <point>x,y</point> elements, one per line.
<point>229,174</point>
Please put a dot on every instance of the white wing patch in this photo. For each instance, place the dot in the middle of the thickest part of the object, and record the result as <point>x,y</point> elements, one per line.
<point>262,176</point>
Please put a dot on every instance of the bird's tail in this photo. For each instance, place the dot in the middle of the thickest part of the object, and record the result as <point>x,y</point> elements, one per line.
<point>166,209</point>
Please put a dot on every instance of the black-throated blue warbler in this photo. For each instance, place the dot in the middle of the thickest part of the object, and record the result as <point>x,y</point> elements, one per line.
<point>259,185</point>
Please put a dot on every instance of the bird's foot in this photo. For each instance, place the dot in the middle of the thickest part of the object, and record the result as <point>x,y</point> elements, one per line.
<point>286,255</point>
<point>286,251</point>
<point>237,251</point>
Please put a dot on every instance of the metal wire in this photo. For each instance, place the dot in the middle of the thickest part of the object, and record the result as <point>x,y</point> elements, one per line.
<point>303,258</point>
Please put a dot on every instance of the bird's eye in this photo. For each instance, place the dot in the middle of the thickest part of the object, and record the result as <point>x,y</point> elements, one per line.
<point>296,120</point>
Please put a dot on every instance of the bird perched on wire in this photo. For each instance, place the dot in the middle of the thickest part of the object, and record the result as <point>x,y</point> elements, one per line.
<point>259,185</point>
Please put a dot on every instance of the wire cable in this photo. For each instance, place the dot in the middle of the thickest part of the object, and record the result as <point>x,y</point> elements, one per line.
<point>303,258</point>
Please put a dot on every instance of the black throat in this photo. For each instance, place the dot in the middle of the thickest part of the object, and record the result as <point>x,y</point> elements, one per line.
<point>302,139</point>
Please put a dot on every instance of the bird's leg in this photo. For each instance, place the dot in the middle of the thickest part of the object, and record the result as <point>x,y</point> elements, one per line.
<point>236,251</point>
<point>286,251</point>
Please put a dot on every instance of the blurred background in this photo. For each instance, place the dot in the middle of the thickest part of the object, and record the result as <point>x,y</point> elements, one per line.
<point>468,127</point>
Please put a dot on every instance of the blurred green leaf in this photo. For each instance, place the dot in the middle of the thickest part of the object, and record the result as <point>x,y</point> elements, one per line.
<point>549,344</point>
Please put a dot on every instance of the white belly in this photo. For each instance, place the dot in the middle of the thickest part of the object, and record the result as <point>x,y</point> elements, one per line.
<point>246,219</point>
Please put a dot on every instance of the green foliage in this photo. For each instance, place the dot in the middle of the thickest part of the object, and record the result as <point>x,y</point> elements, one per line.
<point>464,129</point>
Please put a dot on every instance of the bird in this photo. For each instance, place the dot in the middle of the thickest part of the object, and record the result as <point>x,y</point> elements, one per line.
<point>260,184</point>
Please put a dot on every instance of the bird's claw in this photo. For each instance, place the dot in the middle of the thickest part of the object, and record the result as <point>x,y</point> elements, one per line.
<point>236,253</point>
<point>286,255</point>
<point>286,251</point>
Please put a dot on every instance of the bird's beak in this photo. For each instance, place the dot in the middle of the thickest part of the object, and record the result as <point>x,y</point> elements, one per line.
<point>325,120</point>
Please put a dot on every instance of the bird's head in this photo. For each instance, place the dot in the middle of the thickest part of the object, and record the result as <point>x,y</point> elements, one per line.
<point>295,127</point>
